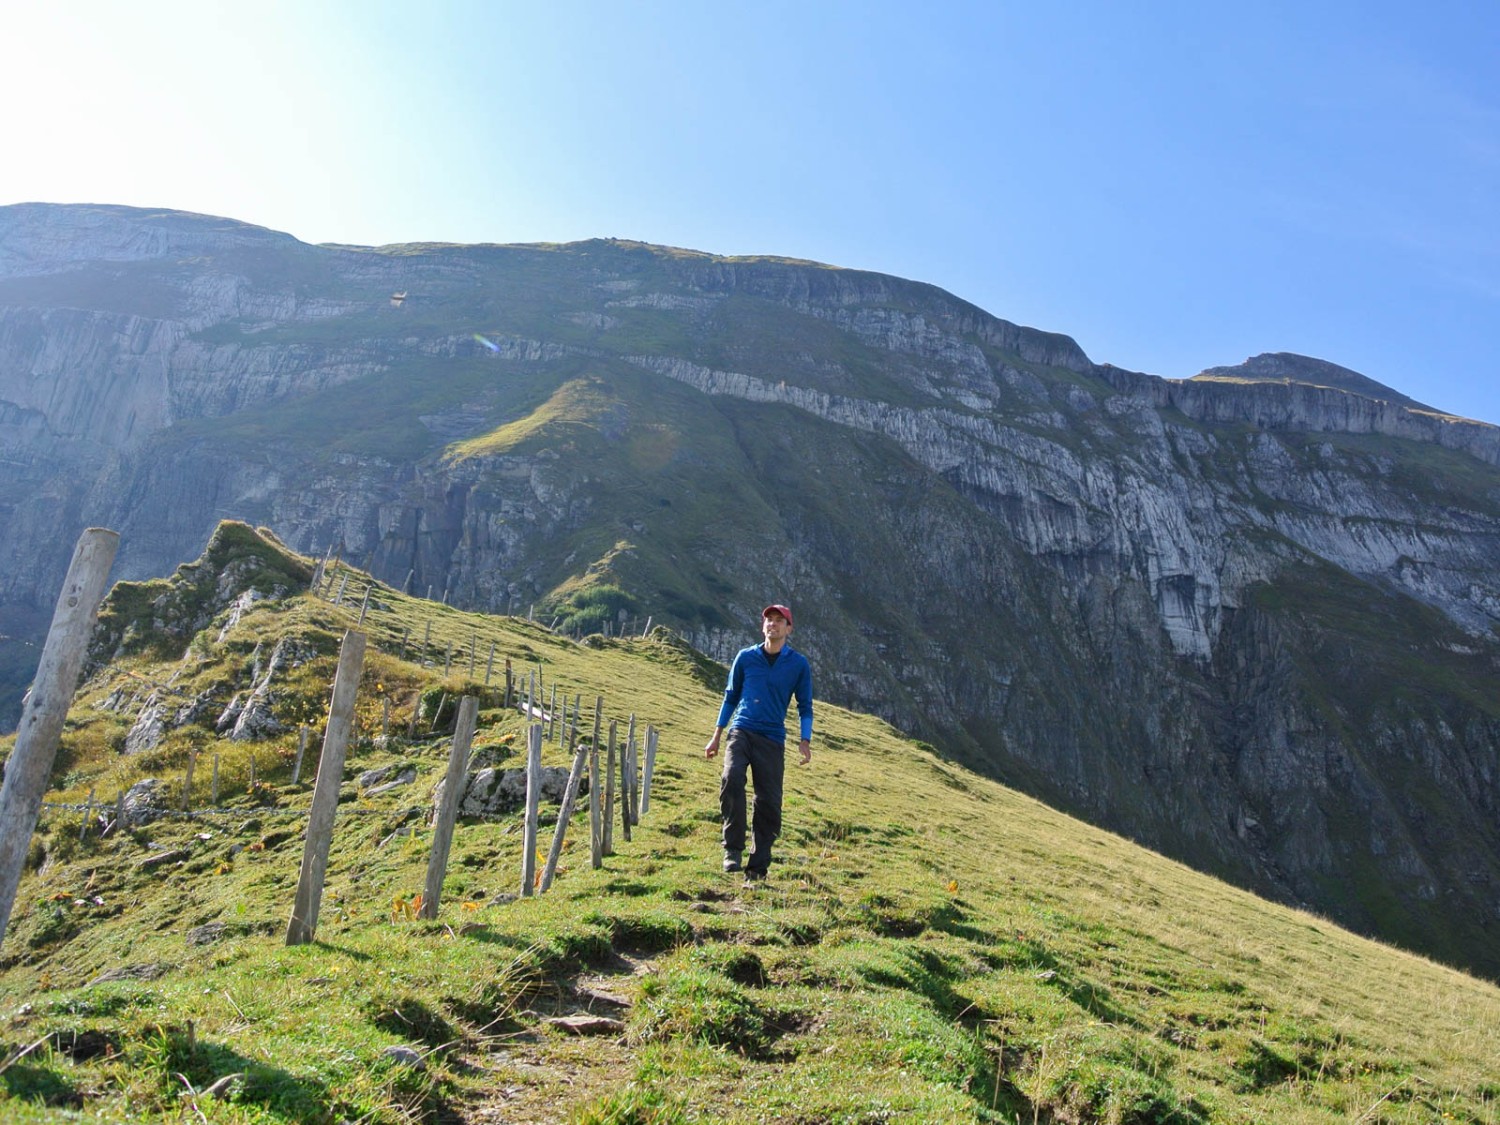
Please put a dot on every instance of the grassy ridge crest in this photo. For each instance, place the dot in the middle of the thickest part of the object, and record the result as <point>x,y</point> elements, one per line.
<point>932,947</point>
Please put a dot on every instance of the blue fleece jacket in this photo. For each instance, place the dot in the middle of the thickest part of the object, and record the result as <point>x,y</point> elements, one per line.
<point>759,692</point>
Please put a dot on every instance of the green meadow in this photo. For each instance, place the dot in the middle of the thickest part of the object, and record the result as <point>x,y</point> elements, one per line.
<point>930,947</point>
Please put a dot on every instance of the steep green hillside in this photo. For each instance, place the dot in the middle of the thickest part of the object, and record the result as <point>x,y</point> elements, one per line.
<point>933,947</point>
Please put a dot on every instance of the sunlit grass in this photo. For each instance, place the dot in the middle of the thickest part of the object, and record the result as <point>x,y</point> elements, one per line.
<point>932,947</point>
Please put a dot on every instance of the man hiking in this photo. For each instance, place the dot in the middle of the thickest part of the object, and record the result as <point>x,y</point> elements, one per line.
<point>762,683</point>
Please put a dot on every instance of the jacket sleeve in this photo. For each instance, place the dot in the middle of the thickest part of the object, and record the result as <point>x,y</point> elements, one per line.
<point>804,694</point>
<point>732,691</point>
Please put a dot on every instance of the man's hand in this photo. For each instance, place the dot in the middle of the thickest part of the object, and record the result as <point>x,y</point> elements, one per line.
<point>713,745</point>
<point>805,749</point>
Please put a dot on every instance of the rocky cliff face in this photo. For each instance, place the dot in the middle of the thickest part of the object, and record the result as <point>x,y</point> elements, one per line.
<point>1247,618</point>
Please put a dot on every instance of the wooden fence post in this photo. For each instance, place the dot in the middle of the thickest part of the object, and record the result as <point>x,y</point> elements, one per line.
<point>453,791</point>
<point>650,769</point>
<point>30,764</point>
<point>632,806</point>
<point>364,605</point>
<point>296,766</point>
<point>533,799</point>
<point>570,795</point>
<point>448,659</point>
<point>608,843</point>
<point>596,838</point>
<point>88,811</point>
<point>426,636</point>
<point>508,682</point>
<point>489,665</point>
<point>627,782</point>
<point>325,800</point>
<point>473,644</point>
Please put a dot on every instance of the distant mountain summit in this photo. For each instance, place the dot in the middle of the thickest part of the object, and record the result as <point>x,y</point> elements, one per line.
<point>1246,618</point>
<point>1288,367</point>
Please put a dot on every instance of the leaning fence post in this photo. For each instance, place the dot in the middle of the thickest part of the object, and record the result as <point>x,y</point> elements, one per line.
<point>627,787</point>
<point>364,605</point>
<point>30,764</point>
<point>596,838</point>
<point>570,795</point>
<point>88,811</point>
<point>296,766</point>
<point>650,769</point>
<point>608,843</point>
<point>325,800</point>
<point>533,799</point>
<point>632,806</point>
<point>453,791</point>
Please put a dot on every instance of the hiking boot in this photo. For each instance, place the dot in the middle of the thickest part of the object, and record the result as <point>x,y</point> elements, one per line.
<point>731,861</point>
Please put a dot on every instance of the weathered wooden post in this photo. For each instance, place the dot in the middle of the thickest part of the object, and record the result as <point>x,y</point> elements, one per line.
<point>473,645</point>
<point>364,606</point>
<point>650,769</point>
<point>448,659</point>
<point>438,714</point>
<point>30,764</point>
<point>608,843</point>
<point>215,797</point>
<point>627,791</point>
<point>296,766</point>
<point>551,716</point>
<point>489,665</point>
<point>533,799</point>
<point>325,800</point>
<point>632,806</point>
<point>338,599</point>
<point>426,637</point>
<point>385,719</point>
<point>570,795</point>
<point>509,681</point>
<point>596,838</point>
<point>453,791</point>
<point>405,633</point>
<point>88,811</point>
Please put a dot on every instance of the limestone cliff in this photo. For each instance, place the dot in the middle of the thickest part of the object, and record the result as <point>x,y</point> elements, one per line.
<point>1247,617</point>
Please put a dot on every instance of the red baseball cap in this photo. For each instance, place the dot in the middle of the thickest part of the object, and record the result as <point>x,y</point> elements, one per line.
<point>781,609</point>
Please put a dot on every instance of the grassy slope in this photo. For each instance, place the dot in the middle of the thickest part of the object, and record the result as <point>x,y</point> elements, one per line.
<point>934,947</point>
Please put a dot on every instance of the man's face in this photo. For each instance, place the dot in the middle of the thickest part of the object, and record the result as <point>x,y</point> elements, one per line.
<point>775,627</point>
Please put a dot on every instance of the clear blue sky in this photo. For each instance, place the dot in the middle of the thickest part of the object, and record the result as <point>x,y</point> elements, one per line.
<point>1175,185</point>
